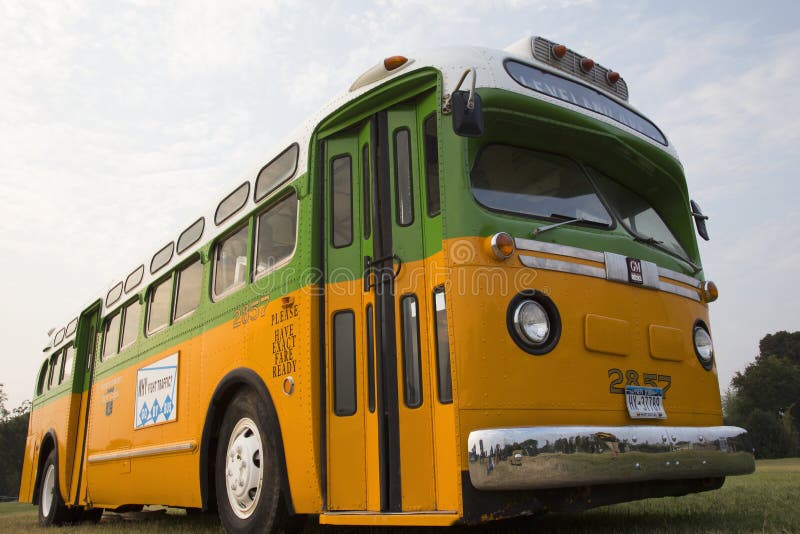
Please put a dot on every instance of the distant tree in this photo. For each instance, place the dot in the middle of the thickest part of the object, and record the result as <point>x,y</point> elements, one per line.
<point>765,397</point>
<point>13,434</point>
<point>786,344</point>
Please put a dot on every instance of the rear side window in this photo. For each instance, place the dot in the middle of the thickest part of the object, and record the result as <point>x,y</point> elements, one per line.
<point>42,377</point>
<point>276,230</point>
<point>158,306</point>
<point>130,327</point>
<point>55,370</point>
<point>187,297</point>
<point>69,362</point>
<point>111,336</point>
<point>230,262</point>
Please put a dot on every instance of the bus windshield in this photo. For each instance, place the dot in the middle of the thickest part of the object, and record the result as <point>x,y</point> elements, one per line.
<point>518,180</point>
<point>638,216</point>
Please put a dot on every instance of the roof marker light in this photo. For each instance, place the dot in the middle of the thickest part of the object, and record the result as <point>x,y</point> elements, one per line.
<point>612,77</point>
<point>587,64</point>
<point>392,62</point>
<point>558,51</point>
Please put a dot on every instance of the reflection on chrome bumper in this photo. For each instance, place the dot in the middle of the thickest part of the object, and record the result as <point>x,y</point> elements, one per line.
<point>560,457</point>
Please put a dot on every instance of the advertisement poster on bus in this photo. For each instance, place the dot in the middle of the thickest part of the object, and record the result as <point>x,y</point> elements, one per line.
<point>157,393</point>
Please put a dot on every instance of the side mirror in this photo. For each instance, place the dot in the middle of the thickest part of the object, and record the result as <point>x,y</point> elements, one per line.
<point>467,119</point>
<point>699,220</point>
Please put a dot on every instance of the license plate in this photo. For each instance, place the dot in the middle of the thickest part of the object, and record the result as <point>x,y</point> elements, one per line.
<point>645,402</point>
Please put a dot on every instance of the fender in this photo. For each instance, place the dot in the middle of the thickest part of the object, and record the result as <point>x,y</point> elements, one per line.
<point>227,387</point>
<point>45,447</point>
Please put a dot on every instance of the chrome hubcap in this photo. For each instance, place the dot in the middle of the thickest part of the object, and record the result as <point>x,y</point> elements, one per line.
<point>243,468</point>
<point>48,490</point>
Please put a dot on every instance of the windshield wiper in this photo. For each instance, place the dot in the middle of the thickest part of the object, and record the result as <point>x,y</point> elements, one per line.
<point>570,220</point>
<point>653,241</point>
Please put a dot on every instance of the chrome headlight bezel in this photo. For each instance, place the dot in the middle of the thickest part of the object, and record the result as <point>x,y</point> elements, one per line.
<point>703,345</point>
<point>532,301</point>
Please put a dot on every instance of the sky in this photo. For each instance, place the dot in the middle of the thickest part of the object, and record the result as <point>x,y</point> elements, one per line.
<point>120,122</point>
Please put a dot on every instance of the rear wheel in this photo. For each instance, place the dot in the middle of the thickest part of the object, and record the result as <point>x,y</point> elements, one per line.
<point>247,471</point>
<point>52,510</point>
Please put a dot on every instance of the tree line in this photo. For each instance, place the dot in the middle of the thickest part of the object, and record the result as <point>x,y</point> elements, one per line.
<point>765,397</point>
<point>13,434</point>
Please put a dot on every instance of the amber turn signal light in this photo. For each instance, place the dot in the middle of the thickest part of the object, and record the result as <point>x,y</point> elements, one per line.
<point>710,291</point>
<point>559,51</point>
<point>502,245</point>
<point>393,62</point>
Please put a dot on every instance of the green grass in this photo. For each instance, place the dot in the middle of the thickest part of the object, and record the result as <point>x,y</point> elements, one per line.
<point>767,501</point>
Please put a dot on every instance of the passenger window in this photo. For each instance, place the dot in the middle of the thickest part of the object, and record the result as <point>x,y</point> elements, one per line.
<point>54,370</point>
<point>188,294</point>
<point>412,375</point>
<point>442,346</point>
<point>232,203</point>
<point>69,361</point>
<point>277,230</point>
<point>341,201</point>
<point>130,326</point>
<point>111,336</point>
<point>158,306</point>
<point>431,146</point>
<point>367,200</point>
<point>42,377</point>
<point>230,262</point>
<point>344,363</point>
<point>276,172</point>
<point>402,162</point>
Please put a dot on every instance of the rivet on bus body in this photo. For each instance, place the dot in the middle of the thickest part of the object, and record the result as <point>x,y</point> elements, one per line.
<point>287,301</point>
<point>637,466</point>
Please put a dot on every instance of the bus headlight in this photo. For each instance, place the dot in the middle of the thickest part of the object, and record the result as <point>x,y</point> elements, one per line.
<point>703,346</point>
<point>534,322</point>
<point>531,322</point>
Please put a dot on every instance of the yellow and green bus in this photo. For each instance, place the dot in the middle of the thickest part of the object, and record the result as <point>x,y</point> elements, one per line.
<point>469,288</point>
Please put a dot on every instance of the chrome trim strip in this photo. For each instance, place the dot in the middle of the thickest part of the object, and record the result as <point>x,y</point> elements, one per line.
<point>536,262</point>
<point>615,267</point>
<point>559,250</point>
<point>123,454</point>
<point>679,277</point>
<point>678,290</point>
<point>559,457</point>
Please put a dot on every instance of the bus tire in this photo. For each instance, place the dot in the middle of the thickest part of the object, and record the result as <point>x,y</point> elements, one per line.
<point>52,510</point>
<point>247,472</point>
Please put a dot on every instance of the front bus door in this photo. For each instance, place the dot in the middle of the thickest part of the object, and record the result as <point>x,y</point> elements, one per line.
<point>85,347</point>
<point>379,393</point>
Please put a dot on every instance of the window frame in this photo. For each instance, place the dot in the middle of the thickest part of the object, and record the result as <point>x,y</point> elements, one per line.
<point>215,247</point>
<point>431,214</point>
<point>256,197</point>
<point>333,159</point>
<point>397,221</point>
<point>124,310</point>
<point>256,216</point>
<point>403,353</point>
<point>190,261</point>
<point>244,185</point>
<point>181,249</point>
<point>354,391</point>
<point>440,289</point>
<point>106,321</point>
<point>149,304</point>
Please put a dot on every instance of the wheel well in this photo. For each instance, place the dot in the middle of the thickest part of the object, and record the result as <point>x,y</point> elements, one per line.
<point>234,382</point>
<point>48,446</point>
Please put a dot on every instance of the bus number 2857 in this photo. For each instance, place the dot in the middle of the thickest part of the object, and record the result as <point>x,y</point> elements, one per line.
<point>620,379</point>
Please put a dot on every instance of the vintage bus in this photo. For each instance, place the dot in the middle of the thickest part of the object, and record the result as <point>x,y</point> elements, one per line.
<point>469,288</point>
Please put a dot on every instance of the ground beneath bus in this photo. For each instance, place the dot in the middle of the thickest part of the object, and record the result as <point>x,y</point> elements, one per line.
<point>766,501</point>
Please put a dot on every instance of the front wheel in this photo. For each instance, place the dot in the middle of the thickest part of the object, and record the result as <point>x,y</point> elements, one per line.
<point>247,471</point>
<point>52,510</point>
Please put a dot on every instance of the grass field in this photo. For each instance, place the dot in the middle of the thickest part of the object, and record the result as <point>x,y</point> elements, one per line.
<point>767,501</point>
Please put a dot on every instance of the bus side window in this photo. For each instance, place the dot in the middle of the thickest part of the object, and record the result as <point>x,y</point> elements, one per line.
<point>51,377</point>
<point>111,336</point>
<point>431,146</point>
<point>130,323</point>
<point>276,231</point>
<point>442,346</point>
<point>341,201</point>
<point>187,294</point>
<point>230,262</point>
<point>344,363</point>
<point>402,162</point>
<point>69,361</point>
<point>158,304</point>
<point>42,377</point>
<point>412,374</point>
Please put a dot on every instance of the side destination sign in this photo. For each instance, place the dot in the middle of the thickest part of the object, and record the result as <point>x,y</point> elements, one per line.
<point>157,393</point>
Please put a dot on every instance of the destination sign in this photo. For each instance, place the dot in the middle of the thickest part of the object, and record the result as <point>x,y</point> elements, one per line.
<point>582,96</point>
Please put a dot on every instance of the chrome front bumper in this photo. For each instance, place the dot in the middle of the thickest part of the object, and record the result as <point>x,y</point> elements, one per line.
<point>529,458</point>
